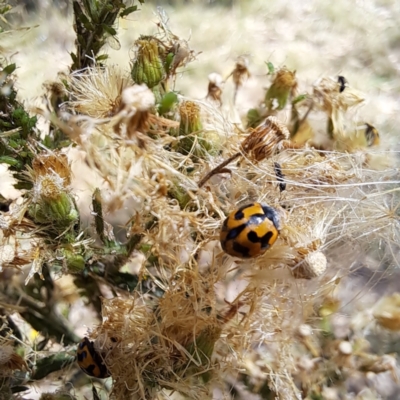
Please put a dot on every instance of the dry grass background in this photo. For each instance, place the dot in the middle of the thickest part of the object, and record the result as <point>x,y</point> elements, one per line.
<point>359,40</point>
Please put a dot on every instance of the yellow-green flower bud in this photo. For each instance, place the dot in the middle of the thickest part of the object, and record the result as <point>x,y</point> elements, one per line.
<point>190,118</point>
<point>278,93</point>
<point>75,263</point>
<point>191,127</point>
<point>51,203</point>
<point>148,67</point>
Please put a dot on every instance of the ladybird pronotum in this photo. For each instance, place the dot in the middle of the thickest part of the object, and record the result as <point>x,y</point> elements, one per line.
<point>90,361</point>
<point>250,230</point>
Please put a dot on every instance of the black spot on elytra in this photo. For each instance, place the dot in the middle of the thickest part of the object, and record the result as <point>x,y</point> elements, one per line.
<point>82,355</point>
<point>239,213</point>
<point>235,232</point>
<point>242,250</point>
<point>264,240</point>
<point>90,370</point>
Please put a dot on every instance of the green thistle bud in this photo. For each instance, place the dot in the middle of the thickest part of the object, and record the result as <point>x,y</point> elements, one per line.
<point>52,204</point>
<point>148,67</point>
<point>190,118</point>
<point>75,263</point>
<point>196,140</point>
<point>278,93</point>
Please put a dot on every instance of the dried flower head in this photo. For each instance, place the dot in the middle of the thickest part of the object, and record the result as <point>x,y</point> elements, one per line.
<point>387,312</point>
<point>215,88</point>
<point>97,92</point>
<point>312,266</point>
<point>329,98</point>
<point>54,162</point>
<point>265,140</point>
<point>240,74</point>
<point>134,113</point>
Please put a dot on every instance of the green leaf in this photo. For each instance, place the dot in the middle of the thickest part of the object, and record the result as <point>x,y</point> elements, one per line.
<point>10,161</point>
<point>128,11</point>
<point>102,57</point>
<point>9,69</point>
<point>167,102</point>
<point>168,62</point>
<point>109,29</point>
<point>299,98</point>
<point>271,68</point>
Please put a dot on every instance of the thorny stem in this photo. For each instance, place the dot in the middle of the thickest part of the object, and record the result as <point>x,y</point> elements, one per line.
<point>219,168</point>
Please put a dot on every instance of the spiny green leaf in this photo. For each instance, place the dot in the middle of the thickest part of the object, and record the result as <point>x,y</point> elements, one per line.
<point>128,11</point>
<point>108,29</point>
<point>10,161</point>
<point>102,57</point>
<point>9,69</point>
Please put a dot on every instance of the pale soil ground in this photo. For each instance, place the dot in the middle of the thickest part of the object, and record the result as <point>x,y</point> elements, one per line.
<point>357,39</point>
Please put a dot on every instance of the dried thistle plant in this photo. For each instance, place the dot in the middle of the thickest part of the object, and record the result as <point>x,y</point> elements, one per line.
<point>177,314</point>
<point>267,139</point>
<point>240,74</point>
<point>215,88</point>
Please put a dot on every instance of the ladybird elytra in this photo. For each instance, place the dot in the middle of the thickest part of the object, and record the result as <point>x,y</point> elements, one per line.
<point>90,361</point>
<point>250,230</point>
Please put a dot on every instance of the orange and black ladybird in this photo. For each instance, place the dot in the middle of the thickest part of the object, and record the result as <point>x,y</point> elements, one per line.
<point>90,361</point>
<point>250,230</point>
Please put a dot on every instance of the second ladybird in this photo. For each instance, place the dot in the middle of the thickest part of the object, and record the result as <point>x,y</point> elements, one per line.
<point>90,361</point>
<point>250,230</point>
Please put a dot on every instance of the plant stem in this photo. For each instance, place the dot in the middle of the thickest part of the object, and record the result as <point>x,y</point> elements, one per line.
<point>219,168</point>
